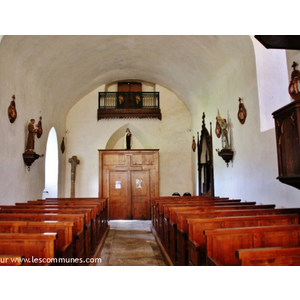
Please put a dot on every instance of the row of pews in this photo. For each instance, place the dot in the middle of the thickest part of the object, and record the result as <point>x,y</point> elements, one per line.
<point>53,231</point>
<point>214,231</point>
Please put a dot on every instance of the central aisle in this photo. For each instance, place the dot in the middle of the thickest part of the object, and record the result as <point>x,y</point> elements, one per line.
<point>130,243</point>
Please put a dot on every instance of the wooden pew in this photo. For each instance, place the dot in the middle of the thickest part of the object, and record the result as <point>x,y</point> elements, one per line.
<point>157,202</point>
<point>162,223</point>
<point>162,215</point>
<point>165,214</point>
<point>93,211</point>
<point>64,241</point>
<point>101,202</point>
<point>93,233</point>
<point>99,224</point>
<point>77,229</point>
<point>171,230</point>
<point>158,210</point>
<point>185,219</point>
<point>169,213</point>
<point>81,211</point>
<point>221,244</point>
<point>197,243</point>
<point>271,256</point>
<point>37,249</point>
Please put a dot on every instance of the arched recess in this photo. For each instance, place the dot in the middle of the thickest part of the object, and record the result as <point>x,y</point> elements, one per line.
<point>140,140</point>
<point>51,166</point>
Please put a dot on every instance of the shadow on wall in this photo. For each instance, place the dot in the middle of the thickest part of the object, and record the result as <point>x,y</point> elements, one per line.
<point>119,134</point>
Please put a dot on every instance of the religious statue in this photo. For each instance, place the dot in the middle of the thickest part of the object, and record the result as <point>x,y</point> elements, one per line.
<point>223,131</point>
<point>31,133</point>
<point>128,139</point>
<point>242,112</point>
<point>29,155</point>
<point>39,128</point>
<point>12,110</point>
<point>193,144</point>
<point>62,145</point>
<point>294,86</point>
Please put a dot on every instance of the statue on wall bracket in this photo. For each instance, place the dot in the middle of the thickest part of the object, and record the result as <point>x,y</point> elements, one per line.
<point>294,86</point>
<point>29,156</point>
<point>12,110</point>
<point>223,130</point>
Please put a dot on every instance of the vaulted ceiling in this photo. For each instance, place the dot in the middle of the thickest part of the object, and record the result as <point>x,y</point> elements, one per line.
<point>65,68</point>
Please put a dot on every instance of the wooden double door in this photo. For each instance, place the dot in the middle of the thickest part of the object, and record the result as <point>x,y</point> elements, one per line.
<point>130,180</point>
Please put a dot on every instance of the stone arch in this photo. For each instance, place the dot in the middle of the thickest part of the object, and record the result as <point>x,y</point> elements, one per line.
<point>140,140</point>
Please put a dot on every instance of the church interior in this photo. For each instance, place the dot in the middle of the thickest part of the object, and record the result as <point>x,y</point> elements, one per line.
<point>199,81</point>
<point>58,78</point>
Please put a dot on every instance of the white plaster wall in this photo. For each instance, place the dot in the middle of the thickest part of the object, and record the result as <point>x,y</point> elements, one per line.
<point>172,136</point>
<point>17,184</point>
<point>272,81</point>
<point>252,174</point>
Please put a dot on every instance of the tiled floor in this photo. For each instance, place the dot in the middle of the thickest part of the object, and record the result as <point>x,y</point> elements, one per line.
<point>130,243</point>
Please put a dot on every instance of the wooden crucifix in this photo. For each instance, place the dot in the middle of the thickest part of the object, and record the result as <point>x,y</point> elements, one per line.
<point>74,162</point>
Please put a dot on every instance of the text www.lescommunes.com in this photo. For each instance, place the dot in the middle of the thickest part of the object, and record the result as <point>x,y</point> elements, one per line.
<point>44,260</point>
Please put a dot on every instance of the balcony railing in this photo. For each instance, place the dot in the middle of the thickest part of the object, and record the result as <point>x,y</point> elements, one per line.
<point>128,105</point>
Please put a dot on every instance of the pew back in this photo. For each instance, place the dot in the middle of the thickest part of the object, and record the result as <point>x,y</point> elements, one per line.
<point>221,244</point>
<point>270,256</point>
<point>37,249</point>
<point>196,228</point>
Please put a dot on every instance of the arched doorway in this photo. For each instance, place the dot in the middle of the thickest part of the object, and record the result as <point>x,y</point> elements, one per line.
<point>51,166</point>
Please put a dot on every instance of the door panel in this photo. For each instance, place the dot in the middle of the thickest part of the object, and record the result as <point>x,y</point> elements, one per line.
<point>119,200</point>
<point>130,180</point>
<point>140,205</point>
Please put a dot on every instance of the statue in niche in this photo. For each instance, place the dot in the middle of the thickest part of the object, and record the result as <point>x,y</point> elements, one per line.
<point>128,139</point>
<point>12,110</point>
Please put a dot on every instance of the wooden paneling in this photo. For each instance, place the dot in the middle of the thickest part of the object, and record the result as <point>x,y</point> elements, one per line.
<point>287,128</point>
<point>140,198</point>
<point>130,179</point>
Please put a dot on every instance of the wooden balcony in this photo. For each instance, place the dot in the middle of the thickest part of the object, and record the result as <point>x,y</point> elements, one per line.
<point>128,105</point>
